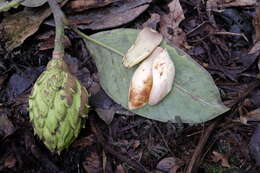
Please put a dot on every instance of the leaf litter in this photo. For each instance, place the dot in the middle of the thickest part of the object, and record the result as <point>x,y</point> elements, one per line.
<point>216,52</point>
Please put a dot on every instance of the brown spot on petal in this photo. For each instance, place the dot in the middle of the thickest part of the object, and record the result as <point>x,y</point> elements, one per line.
<point>138,98</point>
<point>161,73</point>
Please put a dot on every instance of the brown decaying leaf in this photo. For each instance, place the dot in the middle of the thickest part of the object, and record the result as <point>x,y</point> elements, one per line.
<point>2,80</point>
<point>255,145</point>
<point>255,48</point>
<point>169,164</point>
<point>120,169</point>
<point>251,116</point>
<point>218,4</point>
<point>256,21</point>
<point>153,21</point>
<point>84,142</point>
<point>10,161</point>
<point>19,26</point>
<point>175,15</point>
<point>109,17</point>
<point>106,115</point>
<point>92,163</point>
<point>81,5</point>
<point>169,25</point>
<point>6,125</point>
<point>47,41</point>
<point>216,156</point>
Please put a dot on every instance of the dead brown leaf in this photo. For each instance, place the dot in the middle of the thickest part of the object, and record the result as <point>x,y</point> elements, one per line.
<point>220,157</point>
<point>2,80</point>
<point>92,163</point>
<point>106,115</point>
<point>109,17</point>
<point>169,164</point>
<point>251,116</point>
<point>219,4</point>
<point>81,5</point>
<point>84,142</point>
<point>47,41</point>
<point>175,15</point>
<point>10,161</point>
<point>257,22</point>
<point>169,25</point>
<point>19,26</point>
<point>153,21</point>
<point>254,145</point>
<point>120,169</point>
<point>6,125</point>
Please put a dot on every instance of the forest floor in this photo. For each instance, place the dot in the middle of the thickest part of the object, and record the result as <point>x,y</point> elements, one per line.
<point>223,36</point>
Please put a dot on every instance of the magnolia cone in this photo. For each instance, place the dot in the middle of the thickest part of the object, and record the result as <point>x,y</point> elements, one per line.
<point>152,80</point>
<point>57,106</point>
<point>147,40</point>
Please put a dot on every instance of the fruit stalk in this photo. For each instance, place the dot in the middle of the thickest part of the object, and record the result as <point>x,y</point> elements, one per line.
<point>60,22</point>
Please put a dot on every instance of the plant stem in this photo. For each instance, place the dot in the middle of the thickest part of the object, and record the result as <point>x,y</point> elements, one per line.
<point>6,6</point>
<point>60,22</point>
<point>75,29</point>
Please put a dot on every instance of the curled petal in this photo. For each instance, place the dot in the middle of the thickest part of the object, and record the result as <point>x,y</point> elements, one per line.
<point>147,40</point>
<point>163,72</point>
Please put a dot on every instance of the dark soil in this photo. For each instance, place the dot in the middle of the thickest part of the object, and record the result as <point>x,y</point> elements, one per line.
<point>132,143</point>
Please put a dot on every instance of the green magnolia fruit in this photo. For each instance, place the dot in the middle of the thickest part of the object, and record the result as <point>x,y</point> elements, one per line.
<point>58,106</point>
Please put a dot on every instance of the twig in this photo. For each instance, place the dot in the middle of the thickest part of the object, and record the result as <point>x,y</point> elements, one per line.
<point>164,140</point>
<point>231,33</point>
<point>252,86</point>
<point>101,140</point>
<point>196,157</point>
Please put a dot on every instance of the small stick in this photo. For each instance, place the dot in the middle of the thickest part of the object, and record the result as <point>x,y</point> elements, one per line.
<point>196,157</point>
<point>100,138</point>
<point>231,33</point>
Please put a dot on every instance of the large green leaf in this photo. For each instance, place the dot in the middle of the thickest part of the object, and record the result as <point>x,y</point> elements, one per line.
<point>194,97</point>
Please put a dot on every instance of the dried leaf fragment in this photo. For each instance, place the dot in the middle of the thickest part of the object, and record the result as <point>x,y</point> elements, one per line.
<point>81,5</point>
<point>220,157</point>
<point>147,40</point>
<point>19,26</point>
